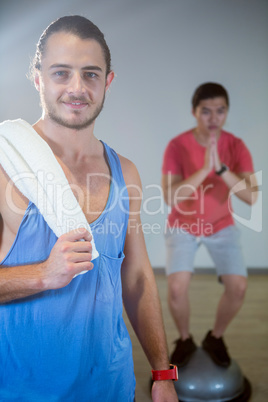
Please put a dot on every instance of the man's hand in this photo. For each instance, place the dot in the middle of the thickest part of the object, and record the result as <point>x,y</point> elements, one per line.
<point>70,255</point>
<point>209,160</point>
<point>215,154</point>
<point>212,160</point>
<point>164,391</point>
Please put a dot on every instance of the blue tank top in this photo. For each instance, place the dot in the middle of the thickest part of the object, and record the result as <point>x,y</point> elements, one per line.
<point>70,344</point>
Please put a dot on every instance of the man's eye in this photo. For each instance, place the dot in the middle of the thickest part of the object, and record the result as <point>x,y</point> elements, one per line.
<point>90,75</point>
<point>61,74</point>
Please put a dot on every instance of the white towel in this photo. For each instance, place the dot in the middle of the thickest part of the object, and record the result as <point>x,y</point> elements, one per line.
<point>33,168</point>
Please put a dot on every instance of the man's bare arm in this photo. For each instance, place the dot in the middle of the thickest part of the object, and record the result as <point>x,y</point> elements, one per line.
<point>243,185</point>
<point>140,294</point>
<point>68,257</point>
<point>177,189</point>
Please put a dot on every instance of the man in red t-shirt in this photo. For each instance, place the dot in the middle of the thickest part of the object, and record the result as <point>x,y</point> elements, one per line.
<point>200,168</point>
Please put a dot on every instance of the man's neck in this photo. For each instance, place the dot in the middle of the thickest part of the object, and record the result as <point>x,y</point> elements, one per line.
<point>65,142</point>
<point>203,138</point>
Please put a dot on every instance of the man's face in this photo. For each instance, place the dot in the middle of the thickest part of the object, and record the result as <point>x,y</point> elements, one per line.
<point>211,115</point>
<point>72,81</point>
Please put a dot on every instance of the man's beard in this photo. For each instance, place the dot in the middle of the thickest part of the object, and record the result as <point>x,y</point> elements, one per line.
<point>52,114</point>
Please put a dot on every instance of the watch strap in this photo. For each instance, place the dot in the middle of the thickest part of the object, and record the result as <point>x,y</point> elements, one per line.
<point>161,375</point>
<point>223,169</point>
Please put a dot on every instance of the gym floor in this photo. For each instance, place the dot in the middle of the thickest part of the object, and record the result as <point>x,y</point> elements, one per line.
<point>246,337</point>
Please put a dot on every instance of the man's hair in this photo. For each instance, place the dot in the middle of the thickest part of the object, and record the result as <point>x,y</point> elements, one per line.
<point>209,90</point>
<point>76,25</point>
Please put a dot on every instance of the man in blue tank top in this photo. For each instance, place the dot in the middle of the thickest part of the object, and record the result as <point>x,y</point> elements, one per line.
<point>63,337</point>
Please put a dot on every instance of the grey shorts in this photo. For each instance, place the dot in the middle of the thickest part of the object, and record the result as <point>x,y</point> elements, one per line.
<point>224,248</point>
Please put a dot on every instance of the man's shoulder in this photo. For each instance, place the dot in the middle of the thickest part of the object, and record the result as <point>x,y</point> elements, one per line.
<point>183,137</point>
<point>125,162</point>
<point>130,171</point>
<point>228,135</point>
<point>230,138</point>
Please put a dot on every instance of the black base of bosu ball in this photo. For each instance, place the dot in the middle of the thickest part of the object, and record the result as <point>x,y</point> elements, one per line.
<point>202,380</point>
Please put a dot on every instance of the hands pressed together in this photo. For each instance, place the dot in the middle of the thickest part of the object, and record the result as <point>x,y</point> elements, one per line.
<point>212,160</point>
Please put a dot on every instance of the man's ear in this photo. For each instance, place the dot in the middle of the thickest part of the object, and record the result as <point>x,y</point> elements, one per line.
<point>109,80</point>
<point>37,81</point>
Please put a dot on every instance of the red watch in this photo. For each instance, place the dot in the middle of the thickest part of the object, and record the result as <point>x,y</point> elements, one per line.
<point>171,374</point>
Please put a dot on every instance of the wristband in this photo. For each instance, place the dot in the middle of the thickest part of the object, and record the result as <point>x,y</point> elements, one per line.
<point>171,374</point>
<point>223,169</point>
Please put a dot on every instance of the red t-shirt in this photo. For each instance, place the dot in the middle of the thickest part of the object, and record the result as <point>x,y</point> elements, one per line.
<point>208,209</point>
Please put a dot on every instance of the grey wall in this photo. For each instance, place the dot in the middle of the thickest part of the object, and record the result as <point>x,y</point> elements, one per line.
<point>161,50</point>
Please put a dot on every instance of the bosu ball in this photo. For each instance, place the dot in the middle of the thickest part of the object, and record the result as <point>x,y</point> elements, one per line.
<point>202,380</point>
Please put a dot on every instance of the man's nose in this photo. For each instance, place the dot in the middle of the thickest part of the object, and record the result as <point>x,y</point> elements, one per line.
<point>76,84</point>
<point>213,117</point>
